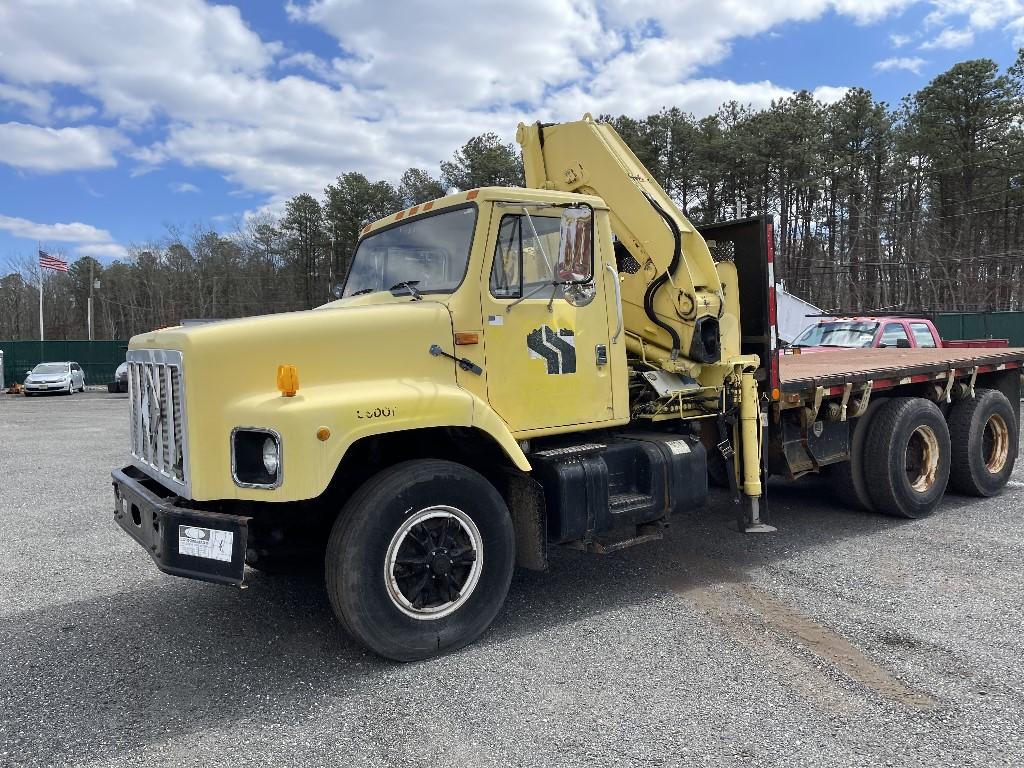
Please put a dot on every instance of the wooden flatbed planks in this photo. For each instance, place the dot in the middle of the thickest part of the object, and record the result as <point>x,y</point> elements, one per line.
<point>821,369</point>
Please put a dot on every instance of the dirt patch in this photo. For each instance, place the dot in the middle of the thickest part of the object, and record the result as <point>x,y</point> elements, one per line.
<point>745,611</point>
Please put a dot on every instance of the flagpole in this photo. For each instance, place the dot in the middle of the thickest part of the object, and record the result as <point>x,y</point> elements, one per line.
<point>39,250</point>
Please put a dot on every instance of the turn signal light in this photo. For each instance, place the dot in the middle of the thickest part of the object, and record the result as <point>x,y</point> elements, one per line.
<point>466,337</point>
<point>288,379</point>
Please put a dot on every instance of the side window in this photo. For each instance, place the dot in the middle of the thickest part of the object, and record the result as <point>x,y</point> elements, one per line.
<point>893,334</point>
<point>506,280</point>
<point>923,335</point>
<point>524,256</point>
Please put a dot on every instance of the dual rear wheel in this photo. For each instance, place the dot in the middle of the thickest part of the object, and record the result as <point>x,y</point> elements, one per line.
<point>904,453</point>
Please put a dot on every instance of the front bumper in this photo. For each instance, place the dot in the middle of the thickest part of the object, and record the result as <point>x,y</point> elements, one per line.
<point>60,386</point>
<point>193,543</point>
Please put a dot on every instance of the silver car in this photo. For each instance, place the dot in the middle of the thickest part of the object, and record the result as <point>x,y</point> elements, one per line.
<point>67,378</point>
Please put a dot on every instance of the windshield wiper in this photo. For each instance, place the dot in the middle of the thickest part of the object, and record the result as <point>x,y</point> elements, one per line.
<point>409,285</point>
<point>361,292</point>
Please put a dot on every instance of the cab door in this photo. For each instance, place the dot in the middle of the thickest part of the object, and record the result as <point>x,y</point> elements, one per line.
<point>547,348</point>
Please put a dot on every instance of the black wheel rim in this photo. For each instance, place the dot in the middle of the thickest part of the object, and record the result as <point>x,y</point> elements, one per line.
<point>433,563</point>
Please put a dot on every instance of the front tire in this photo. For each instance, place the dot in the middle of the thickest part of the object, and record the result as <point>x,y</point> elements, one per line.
<point>906,457</point>
<point>420,560</point>
<point>983,431</point>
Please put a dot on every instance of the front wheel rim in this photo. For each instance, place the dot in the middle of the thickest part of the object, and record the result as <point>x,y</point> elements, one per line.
<point>922,458</point>
<point>433,562</point>
<point>995,443</point>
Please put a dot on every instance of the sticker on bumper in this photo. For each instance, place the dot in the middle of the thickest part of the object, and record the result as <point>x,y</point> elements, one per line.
<point>205,542</point>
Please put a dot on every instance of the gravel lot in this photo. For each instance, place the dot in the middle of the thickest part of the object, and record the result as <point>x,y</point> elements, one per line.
<point>844,639</point>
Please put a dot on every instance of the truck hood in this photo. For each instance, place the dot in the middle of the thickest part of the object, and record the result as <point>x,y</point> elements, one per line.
<point>348,340</point>
<point>354,361</point>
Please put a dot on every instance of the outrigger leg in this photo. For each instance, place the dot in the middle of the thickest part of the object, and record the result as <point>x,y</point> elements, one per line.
<point>750,457</point>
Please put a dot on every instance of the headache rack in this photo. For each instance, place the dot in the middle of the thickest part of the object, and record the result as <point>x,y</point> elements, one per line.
<point>159,437</point>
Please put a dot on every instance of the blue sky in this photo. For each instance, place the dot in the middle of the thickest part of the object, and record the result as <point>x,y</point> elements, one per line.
<point>119,119</point>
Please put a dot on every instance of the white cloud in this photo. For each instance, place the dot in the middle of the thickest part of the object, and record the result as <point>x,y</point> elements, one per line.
<point>103,251</point>
<point>979,14</point>
<point>830,94</point>
<point>74,113</point>
<point>36,102</point>
<point>949,39</point>
<point>866,11</point>
<point>75,232</point>
<point>403,89</point>
<point>36,148</point>
<point>183,187</point>
<point>910,64</point>
<point>898,41</point>
<point>87,239</point>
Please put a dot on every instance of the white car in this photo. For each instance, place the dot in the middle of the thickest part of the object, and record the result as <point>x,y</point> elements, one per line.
<point>67,378</point>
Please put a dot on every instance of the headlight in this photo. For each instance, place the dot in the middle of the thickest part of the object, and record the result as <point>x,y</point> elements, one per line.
<point>270,458</point>
<point>256,457</point>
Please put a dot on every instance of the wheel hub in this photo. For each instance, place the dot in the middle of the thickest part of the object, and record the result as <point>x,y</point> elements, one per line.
<point>922,458</point>
<point>996,443</point>
<point>433,562</point>
<point>441,563</point>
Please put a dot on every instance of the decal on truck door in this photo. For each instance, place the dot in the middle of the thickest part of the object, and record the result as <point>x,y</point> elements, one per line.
<point>558,348</point>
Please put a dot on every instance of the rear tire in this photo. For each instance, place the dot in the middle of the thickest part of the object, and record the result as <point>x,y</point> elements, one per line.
<point>848,476</point>
<point>420,559</point>
<point>983,431</point>
<point>907,457</point>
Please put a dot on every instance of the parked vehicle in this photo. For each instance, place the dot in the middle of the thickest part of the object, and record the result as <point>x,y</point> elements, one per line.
<point>120,382</point>
<point>881,331</point>
<point>510,369</point>
<point>66,377</point>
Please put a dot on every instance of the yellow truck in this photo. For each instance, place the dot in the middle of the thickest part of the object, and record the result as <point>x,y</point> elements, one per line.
<point>513,369</point>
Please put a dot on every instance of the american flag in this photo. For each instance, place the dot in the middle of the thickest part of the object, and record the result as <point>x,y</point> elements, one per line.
<point>46,261</point>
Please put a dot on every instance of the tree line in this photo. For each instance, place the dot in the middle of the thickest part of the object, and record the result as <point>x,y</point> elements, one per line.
<point>916,207</point>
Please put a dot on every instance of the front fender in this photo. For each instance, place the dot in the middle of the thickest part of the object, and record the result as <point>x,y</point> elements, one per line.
<point>350,412</point>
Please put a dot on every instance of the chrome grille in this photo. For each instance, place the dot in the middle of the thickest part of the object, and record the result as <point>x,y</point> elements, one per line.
<point>159,439</point>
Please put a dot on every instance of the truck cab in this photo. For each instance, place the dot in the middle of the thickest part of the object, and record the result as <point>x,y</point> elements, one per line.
<point>866,332</point>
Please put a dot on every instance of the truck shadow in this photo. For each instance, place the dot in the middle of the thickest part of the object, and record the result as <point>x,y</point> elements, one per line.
<point>97,677</point>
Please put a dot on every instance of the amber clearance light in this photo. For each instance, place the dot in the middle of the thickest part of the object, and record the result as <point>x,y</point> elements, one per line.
<point>288,379</point>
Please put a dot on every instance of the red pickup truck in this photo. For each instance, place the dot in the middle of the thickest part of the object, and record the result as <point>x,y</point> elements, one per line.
<point>861,332</point>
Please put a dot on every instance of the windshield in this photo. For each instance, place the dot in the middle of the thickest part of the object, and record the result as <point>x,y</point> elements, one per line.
<point>842,333</point>
<point>431,253</point>
<point>51,368</point>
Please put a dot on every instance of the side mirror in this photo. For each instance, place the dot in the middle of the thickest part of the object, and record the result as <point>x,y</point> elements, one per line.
<point>576,245</point>
<point>903,343</point>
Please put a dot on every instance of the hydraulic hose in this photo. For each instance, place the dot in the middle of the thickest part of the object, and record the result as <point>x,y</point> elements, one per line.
<point>660,280</point>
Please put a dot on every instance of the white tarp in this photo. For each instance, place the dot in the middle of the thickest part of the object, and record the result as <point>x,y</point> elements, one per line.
<point>793,314</point>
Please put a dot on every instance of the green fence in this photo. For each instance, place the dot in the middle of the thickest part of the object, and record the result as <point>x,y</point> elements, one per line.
<point>982,325</point>
<point>98,359</point>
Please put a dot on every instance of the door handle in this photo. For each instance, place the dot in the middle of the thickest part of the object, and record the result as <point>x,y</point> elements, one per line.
<point>618,301</point>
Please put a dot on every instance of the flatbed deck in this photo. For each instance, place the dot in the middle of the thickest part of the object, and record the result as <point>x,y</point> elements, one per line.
<point>886,368</point>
